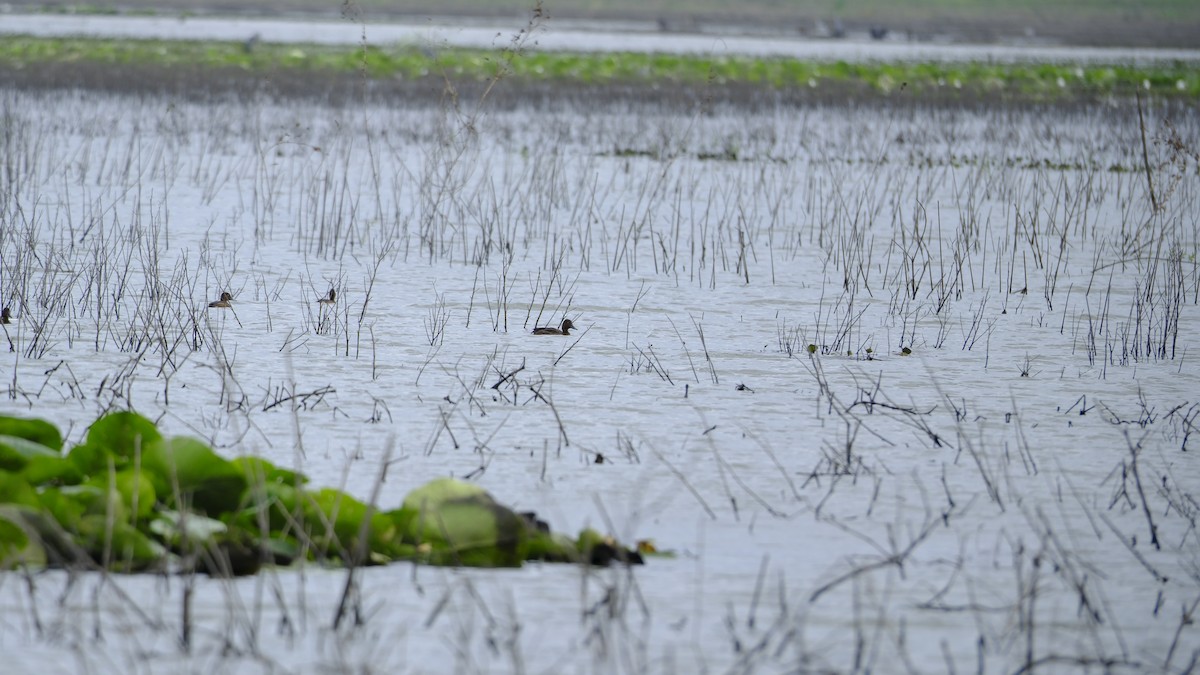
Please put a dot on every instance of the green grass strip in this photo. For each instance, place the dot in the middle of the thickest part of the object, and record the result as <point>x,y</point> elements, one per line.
<point>1176,79</point>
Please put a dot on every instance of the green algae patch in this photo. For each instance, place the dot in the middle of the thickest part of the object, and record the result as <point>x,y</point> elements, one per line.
<point>130,500</point>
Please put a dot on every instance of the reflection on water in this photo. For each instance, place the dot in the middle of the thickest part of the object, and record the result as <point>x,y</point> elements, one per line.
<point>836,511</point>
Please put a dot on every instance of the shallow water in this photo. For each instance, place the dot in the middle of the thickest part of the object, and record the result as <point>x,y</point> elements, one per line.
<point>843,512</point>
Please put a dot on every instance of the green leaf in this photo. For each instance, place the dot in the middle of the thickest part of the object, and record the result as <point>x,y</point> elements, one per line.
<point>258,470</point>
<point>123,434</point>
<point>66,509</point>
<point>186,469</point>
<point>334,519</point>
<point>17,451</point>
<point>53,545</point>
<point>17,548</point>
<point>96,500</point>
<point>117,438</point>
<point>57,470</point>
<point>90,459</point>
<point>134,490</point>
<point>117,545</point>
<point>36,430</point>
<point>176,527</point>
<point>461,524</point>
<point>14,489</point>
<point>552,547</point>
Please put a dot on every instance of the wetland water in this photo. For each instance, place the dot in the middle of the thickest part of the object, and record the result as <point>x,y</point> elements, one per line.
<point>970,505</point>
<point>560,36</point>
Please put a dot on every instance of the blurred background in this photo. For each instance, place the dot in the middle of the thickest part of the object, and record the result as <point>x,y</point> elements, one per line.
<point>1127,23</point>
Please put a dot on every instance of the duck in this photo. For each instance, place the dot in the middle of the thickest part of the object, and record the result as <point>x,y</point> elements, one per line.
<point>225,301</point>
<point>550,330</point>
<point>5,315</point>
<point>329,299</point>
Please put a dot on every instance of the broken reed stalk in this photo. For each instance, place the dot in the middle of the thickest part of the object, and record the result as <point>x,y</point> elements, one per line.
<point>894,557</point>
<point>562,431</point>
<point>1137,481</point>
<point>686,484</point>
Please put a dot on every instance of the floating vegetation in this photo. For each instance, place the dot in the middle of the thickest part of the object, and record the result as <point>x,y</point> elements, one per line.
<point>128,499</point>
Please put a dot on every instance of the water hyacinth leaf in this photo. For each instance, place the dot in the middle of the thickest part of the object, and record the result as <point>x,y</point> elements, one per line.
<point>334,520</point>
<point>57,548</point>
<point>17,548</point>
<point>232,553</point>
<point>440,490</point>
<point>175,528</point>
<point>97,500</point>
<point>32,429</point>
<point>401,519</point>
<point>66,509</point>
<point>258,470</point>
<point>283,550</point>
<point>57,470</point>
<point>276,543</point>
<point>133,489</point>
<point>284,510</point>
<point>115,439</point>
<point>123,434</point>
<point>90,459</point>
<point>552,547</point>
<point>269,509</point>
<point>14,489</point>
<point>462,524</point>
<point>117,545</point>
<point>186,469</point>
<point>475,533</point>
<point>16,452</point>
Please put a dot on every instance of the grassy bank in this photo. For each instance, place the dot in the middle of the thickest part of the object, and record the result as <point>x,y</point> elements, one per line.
<point>1021,82</point>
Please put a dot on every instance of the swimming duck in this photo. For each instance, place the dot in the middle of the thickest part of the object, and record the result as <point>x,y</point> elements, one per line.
<point>549,330</point>
<point>329,299</point>
<point>226,299</point>
<point>5,316</point>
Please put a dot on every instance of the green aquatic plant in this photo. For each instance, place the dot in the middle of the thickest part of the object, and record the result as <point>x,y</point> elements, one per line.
<point>129,499</point>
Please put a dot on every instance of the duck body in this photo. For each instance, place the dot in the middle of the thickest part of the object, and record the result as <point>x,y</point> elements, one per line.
<point>329,299</point>
<point>5,315</point>
<point>225,301</point>
<point>550,330</point>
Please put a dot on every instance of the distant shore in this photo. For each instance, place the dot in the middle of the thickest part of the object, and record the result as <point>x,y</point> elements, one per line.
<point>1115,24</point>
<point>359,59</point>
<point>516,75</point>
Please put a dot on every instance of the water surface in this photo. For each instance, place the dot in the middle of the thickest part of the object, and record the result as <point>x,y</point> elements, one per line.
<point>853,508</point>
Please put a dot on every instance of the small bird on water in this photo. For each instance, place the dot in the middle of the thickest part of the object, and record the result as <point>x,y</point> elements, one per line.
<point>224,302</point>
<point>550,330</point>
<point>5,315</point>
<point>329,299</point>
